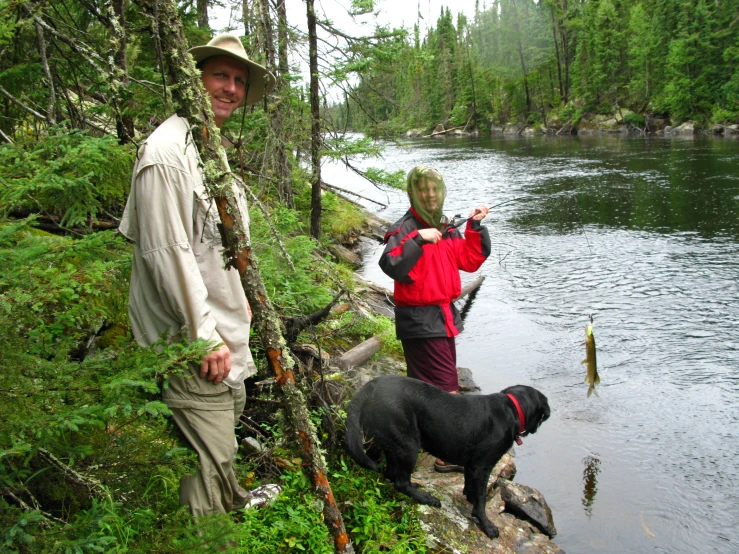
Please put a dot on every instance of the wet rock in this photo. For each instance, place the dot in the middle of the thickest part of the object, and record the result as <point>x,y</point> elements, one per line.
<point>527,503</point>
<point>731,130</point>
<point>466,383</point>
<point>413,133</point>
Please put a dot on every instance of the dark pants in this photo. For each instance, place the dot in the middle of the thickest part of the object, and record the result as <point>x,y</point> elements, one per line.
<point>433,360</point>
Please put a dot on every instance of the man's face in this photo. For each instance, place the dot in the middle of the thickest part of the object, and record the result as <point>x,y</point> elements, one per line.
<point>225,80</point>
<point>427,194</point>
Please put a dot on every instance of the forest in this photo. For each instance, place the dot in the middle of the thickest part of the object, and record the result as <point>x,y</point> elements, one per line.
<point>551,61</point>
<point>89,457</point>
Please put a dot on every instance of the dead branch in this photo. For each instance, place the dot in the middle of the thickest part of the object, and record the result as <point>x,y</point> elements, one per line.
<point>294,325</point>
<point>332,187</point>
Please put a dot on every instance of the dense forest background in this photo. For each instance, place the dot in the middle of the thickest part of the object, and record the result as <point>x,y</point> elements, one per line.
<point>89,459</point>
<point>550,61</point>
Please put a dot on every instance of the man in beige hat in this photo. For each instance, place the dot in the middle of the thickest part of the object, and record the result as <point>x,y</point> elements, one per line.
<point>179,286</point>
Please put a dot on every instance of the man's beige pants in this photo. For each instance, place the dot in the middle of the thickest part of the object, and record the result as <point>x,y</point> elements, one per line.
<point>207,414</point>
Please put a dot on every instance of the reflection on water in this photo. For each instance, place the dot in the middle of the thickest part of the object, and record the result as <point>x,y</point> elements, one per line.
<point>590,483</point>
<point>644,235</point>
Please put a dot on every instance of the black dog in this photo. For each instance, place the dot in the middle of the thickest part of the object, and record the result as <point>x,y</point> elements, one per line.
<point>399,415</point>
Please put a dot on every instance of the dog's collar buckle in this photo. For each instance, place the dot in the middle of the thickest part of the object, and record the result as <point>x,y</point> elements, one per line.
<point>518,440</point>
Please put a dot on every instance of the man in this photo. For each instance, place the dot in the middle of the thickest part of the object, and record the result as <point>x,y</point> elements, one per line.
<point>179,286</point>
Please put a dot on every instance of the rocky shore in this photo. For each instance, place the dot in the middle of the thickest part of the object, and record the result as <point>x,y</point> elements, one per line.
<point>622,123</point>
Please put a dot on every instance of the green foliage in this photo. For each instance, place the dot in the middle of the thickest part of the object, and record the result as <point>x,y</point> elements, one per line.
<point>69,174</point>
<point>293,523</point>
<point>299,290</point>
<point>378,518</point>
<point>55,292</point>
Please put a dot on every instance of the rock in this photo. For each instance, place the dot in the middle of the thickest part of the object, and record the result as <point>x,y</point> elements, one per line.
<point>451,529</point>
<point>439,128</point>
<point>685,129</point>
<point>413,133</point>
<point>731,130</point>
<point>512,129</point>
<point>527,503</point>
<point>252,447</point>
<point>466,383</point>
<point>496,129</point>
<point>717,130</point>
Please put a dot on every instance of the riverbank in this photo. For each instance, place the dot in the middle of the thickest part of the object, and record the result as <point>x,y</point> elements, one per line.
<point>623,123</point>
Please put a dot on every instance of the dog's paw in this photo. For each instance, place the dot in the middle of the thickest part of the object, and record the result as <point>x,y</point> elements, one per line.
<point>428,499</point>
<point>489,529</point>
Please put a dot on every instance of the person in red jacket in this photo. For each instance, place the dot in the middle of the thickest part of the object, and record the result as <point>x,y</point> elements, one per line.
<point>423,255</point>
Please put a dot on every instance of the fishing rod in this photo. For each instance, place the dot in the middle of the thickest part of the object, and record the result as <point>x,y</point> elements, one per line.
<point>458,225</point>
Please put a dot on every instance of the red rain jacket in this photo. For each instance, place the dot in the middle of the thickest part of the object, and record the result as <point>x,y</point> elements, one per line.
<point>427,275</point>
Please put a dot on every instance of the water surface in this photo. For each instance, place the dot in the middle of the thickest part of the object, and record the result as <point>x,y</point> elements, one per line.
<point>644,235</point>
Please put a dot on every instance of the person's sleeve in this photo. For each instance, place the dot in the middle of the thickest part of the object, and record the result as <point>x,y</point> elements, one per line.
<point>165,217</point>
<point>474,249</point>
<point>401,254</point>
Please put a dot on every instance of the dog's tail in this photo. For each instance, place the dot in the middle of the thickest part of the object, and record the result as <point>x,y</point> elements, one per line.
<point>353,434</point>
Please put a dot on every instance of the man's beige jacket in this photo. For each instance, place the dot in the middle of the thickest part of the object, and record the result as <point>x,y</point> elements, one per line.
<point>178,280</point>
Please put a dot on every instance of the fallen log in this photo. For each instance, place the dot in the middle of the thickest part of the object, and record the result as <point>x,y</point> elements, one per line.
<point>359,354</point>
<point>444,131</point>
<point>469,287</point>
<point>333,188</point>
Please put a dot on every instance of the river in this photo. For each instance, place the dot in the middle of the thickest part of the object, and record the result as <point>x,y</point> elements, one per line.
<point>644,235</point>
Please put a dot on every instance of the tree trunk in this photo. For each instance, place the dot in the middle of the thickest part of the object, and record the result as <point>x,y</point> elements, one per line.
<point>195,107</point>
<point>51,106</point>
<point>315,130</point>
<point>556,51</point>
<point>284,187</point>
<point>124,123</point>
<point>202,13</point>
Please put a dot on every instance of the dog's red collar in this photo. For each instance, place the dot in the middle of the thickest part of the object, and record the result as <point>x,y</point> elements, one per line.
<point>521,419</point>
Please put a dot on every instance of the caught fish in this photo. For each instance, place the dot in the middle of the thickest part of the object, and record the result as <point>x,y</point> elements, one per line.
<point>592,376</point>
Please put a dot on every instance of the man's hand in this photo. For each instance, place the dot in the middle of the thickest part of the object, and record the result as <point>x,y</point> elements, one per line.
<point>217,365</point>
<point>430,235</point>
<point>479,213</point>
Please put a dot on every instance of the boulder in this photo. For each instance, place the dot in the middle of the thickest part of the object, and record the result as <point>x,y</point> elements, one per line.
<point>496,129</point>
<point>528,504</point>
<point>512,129</point>
<point>439,128</point>
<point>413,133</point>
<point>731,130</point>
<point>685,129</point>
<point>466,382</point>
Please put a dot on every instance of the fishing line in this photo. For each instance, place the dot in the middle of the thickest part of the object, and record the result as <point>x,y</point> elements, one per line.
<point>573,198</point>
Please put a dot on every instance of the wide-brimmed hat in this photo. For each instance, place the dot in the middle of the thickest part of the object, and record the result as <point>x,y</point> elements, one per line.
<point>260,80</point>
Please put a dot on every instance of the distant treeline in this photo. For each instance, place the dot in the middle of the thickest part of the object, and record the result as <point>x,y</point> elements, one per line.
<point>523,61</point>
